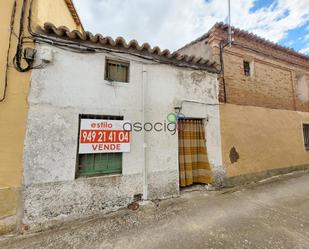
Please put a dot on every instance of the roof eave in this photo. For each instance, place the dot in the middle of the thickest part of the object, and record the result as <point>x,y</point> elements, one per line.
<point>74,13</point>
<point>132,47</point>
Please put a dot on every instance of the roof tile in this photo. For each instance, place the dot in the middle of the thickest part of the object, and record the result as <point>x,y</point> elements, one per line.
<point>242,33</point>
<point>120,43</point>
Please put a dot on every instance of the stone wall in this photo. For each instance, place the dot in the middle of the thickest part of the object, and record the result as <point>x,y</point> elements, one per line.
<point>274,82</point>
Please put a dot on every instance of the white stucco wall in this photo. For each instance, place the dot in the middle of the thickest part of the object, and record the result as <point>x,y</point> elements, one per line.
<point>199,49</point>
<point>74,84</point>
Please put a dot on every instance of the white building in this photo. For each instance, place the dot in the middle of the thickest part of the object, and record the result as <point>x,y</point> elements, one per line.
<point>76,84</point>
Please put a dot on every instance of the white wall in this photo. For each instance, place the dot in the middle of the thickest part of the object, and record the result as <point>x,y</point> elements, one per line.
<point>199,49</point>
<point>74,84</point>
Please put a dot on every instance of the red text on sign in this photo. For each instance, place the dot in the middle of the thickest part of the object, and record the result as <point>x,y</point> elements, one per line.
<point>106,136</point>
<point>109,147</point>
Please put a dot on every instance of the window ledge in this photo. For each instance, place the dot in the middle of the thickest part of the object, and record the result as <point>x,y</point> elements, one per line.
<point>111,83</point>
<point>99,176</point>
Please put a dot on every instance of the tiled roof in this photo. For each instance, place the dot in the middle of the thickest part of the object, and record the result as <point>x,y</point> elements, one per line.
<point>248,35</point>
<point>73,11</point>
<point>132,46</point>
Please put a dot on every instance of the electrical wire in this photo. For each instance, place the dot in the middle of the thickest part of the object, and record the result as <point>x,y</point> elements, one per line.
<point>8,51</point>
<point>19,49</point>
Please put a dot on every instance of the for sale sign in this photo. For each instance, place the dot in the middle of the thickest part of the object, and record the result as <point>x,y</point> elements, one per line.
<point>103,136</point>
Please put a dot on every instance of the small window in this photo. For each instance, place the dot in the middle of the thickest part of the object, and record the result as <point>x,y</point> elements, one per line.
<point>306,135</point>
<point>116,70</point>
<point>99,163</point>
<point>302,90</point>
<point>247,68</point>
<point>300,77</point>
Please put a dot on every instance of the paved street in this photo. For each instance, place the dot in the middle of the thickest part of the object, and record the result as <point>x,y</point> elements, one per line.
<point>271,214</point>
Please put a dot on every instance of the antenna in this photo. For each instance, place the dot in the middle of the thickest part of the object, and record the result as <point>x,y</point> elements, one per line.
<point>229,23</point>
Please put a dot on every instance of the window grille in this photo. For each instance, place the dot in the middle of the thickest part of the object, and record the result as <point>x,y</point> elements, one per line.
<point>247,69</point>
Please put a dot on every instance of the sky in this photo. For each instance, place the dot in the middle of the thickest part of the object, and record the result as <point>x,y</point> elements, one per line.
<point>173,23</point>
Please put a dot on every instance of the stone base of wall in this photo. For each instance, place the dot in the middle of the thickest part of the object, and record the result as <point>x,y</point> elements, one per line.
<point>50,204</point>
<point>218,175</point>
<point>163,184</point>
<point>254,177</point>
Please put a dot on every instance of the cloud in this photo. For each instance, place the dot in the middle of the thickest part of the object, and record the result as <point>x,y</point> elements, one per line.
<point>305,50</point>
<point>173,23</point>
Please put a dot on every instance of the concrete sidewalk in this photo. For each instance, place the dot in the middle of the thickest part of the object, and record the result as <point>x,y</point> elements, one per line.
<point>272,214</point>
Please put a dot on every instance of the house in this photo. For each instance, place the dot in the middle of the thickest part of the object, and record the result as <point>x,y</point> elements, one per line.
<point>264,103</point>
<point>14,88</point>
<point>102,126</point>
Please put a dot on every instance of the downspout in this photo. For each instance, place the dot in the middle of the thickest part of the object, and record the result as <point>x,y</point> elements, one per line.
<point>145,169</point>
<point>222,70</point>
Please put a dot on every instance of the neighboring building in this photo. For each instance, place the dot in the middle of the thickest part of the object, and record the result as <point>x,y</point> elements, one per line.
<point>14,87</point>
<point>264,96</point>
<point>109,81</point>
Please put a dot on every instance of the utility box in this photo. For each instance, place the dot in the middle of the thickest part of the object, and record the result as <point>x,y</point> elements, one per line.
<point>46,54</point>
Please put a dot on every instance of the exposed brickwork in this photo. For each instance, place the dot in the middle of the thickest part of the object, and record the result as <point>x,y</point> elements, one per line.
<point>269,86</point>
<point>274,83</point>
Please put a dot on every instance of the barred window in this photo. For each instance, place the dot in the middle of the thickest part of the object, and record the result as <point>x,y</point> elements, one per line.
<point>306,135</point>
<point>247,68</point>
<point>116,70</point>
<point>99,163</point>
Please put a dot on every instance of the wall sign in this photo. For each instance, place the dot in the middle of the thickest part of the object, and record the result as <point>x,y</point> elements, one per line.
<point>103,136</point>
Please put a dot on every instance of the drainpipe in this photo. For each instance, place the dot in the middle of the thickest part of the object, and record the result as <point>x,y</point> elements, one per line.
<point>222,70</point>
<point>145,170</point>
